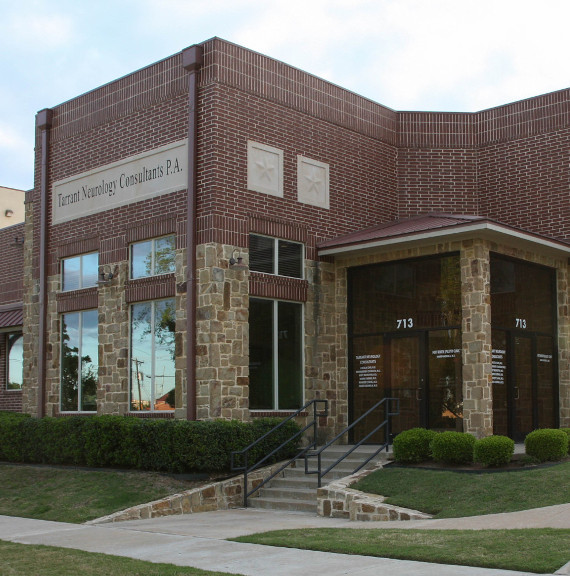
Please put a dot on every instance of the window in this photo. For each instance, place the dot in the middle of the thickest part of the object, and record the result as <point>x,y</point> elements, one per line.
<point>274,256</point>
<point>153,257</point>
<point>153,327</point>
<point>275,355</point>
<point>80,271</point>
<point>15,355</point>
<point>79,361</point>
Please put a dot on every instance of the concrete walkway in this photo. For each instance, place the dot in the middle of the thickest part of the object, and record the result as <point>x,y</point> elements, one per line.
<point>199,540</point>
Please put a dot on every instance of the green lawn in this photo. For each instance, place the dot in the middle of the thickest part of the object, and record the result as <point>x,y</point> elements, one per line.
<point>78,495</point>
<point>541,551</point>
<point>24,559</point>
<point>454,494</point>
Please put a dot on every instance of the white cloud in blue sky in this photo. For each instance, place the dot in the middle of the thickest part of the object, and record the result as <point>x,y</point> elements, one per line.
<point>456,55</point>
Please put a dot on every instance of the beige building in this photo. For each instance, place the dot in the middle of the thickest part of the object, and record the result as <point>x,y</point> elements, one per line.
<point>11,206</point>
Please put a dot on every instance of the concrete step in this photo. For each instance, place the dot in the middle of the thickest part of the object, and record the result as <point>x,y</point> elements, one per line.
<point>296,491</point>
<point>283,504</point>
<point>308,494</point>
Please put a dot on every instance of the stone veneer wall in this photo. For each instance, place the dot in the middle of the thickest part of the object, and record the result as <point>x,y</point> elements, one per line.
<point>339,500</point>
<point>322,353</point>
<point>113,388</point>
<point>476,338</point>
<point>222,338</point>
<point>31,320</point>
<point>216,496</point>
<point>563,290</point>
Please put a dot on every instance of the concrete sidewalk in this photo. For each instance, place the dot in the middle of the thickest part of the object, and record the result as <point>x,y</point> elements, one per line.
<point>198,540</point>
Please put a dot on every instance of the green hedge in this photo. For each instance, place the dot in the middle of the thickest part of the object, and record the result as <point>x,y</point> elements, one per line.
<point>547,444</point>
<point>567,430</point>
<point>130,442</point>
<point>453,447</point>
<point>493,450</point>
<point>413,445</point>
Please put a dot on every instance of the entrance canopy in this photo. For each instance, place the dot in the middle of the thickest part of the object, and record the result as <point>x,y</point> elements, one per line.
<point>430,227</point>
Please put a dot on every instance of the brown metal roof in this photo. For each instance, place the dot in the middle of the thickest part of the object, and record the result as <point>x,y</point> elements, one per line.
<point>425,226</point>
<point>11,318</point>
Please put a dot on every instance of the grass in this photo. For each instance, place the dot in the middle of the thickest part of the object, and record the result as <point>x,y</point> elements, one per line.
<point>24,559</point>
<point>77,495</point>
<point>537,550</point>
<point>453,494</point>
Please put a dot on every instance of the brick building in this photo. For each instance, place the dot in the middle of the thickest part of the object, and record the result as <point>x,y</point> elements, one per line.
<point>220,235</point>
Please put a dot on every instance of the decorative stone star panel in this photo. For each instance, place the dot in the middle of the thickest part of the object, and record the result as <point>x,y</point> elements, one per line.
<point>312,182</point>
<point>264,169</point>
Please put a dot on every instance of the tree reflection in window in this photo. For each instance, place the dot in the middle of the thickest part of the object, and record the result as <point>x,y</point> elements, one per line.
<point>15,355</point>
<point>153,328</point>
<point>79,362</point>
<point>153,257</point>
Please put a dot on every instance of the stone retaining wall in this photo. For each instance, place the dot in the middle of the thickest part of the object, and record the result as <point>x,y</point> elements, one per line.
<point>216,496</point>
<point>338,500</point>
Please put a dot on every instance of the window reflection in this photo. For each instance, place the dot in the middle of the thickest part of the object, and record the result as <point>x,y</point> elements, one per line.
<point>79,361</point>
<point>153,328</point>
<point>15,368</point>
<point>153,257</point>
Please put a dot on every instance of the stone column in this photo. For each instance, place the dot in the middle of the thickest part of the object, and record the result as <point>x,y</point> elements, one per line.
<point>321,350</point>
<point>31,319</point>
<point>476,338</point>
<point>563,288</point>
<point>113,388</point>
<point>222,334</point>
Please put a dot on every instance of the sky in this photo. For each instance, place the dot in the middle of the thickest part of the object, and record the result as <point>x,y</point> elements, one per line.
<point>439,55</point>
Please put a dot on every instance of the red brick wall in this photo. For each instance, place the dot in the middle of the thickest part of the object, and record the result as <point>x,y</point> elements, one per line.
<point>11,286</point>
<point>11,264</point>
<point>508,163</point>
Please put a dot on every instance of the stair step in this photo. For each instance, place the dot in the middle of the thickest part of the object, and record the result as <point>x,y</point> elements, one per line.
<point>289,493</point>
<point>296,491</point>
<point>283,504</point>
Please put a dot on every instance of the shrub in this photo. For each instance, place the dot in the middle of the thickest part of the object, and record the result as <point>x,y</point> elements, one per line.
<point>493,450</point>
<point>148,444</point>
<point>567,430</point>
<point>413,445</point>
<point>547,444</point>
<point>453,447</point>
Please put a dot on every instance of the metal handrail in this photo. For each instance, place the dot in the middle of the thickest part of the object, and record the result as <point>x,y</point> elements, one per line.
<point>385,422</point>
<point>244,453</point>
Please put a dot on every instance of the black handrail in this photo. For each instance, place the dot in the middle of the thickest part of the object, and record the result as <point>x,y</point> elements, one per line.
<point>244,453</point>
<point>385,423</point>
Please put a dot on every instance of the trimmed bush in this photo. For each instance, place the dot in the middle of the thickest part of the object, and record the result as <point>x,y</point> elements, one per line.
<point>547,444</point>
<point>148,444</point>
<point>567,430</point>
<point>413,445</point>
<point>453,447</point>
<point>493,450</point>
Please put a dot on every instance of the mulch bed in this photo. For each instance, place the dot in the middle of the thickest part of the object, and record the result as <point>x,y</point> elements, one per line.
<point>518,462</point>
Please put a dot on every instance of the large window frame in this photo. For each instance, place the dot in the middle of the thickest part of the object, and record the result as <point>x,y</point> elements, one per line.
<point>156,349</point>
<point>274,361</point>
<point>153,257</point>
<point>276,256</point>
<point>78,272</point>
<point>79,366</point>
<point>14,360</point>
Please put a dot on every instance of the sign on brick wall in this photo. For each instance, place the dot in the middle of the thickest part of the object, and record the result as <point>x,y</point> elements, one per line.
<point>160,171</point>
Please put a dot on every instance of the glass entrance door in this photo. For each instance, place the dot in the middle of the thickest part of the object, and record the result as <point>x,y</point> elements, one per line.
<point>406,377</point>
<point>523,383</point>
<point>387,366</point>
<point>520,388</point>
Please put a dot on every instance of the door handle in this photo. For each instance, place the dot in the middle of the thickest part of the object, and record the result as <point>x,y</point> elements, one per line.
<point>418,393</point>
<point>516,393</point>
